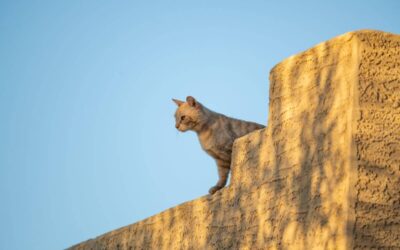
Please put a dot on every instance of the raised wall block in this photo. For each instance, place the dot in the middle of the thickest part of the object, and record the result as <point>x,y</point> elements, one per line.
<point>325,174</point>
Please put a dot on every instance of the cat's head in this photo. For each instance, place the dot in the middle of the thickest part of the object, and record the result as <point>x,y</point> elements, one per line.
<point>188,114</point>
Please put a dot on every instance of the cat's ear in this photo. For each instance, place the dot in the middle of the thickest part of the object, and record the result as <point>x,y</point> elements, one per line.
<point>191,101</point>
<point>177,102</point>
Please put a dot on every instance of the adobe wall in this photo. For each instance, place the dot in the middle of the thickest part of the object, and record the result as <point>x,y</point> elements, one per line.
<point>323,175</point>
<point>377,137</point>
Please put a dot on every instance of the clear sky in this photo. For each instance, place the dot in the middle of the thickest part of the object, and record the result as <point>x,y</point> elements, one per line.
<point>87,136</point>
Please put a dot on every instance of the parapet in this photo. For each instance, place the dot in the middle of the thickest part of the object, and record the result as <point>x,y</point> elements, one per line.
<point>324,174</point>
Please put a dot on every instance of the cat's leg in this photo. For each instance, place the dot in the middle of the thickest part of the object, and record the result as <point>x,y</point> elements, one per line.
<point>223,173</point>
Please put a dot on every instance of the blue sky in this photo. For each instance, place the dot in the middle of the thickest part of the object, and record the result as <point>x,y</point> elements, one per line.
<point>87,136</point>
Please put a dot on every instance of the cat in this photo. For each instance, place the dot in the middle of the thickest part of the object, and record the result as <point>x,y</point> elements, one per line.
<point>216,133</point>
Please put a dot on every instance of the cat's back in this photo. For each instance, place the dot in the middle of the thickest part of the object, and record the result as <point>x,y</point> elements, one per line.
<point>236,128</point>
<point>223,130</point>
<point>217,140</point>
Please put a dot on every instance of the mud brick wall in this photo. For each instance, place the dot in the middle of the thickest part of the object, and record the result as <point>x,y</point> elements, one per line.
<point>378,143</point>
<point>324,174</point>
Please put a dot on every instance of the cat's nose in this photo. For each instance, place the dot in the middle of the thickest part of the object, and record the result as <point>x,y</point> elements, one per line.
<point>176,125</point>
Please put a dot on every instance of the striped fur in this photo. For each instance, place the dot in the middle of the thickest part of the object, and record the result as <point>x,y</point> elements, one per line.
<point>216,133</point>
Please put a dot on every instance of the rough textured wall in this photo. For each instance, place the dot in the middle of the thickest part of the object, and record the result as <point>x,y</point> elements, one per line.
<point>305,160</point>
<point>378,143</point>
<point>306,180</point>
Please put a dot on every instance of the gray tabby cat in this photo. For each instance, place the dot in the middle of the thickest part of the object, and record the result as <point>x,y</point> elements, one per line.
<point>216,133</point>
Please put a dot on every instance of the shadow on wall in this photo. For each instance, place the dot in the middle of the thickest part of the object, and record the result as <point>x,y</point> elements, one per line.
<point>293,206</point>
<point>289,188</point>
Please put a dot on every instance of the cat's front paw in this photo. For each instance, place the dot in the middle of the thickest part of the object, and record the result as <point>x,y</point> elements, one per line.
<point>214,189</point>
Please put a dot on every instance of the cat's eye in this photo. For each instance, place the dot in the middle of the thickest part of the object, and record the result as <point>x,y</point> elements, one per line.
<point>183,117</point>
